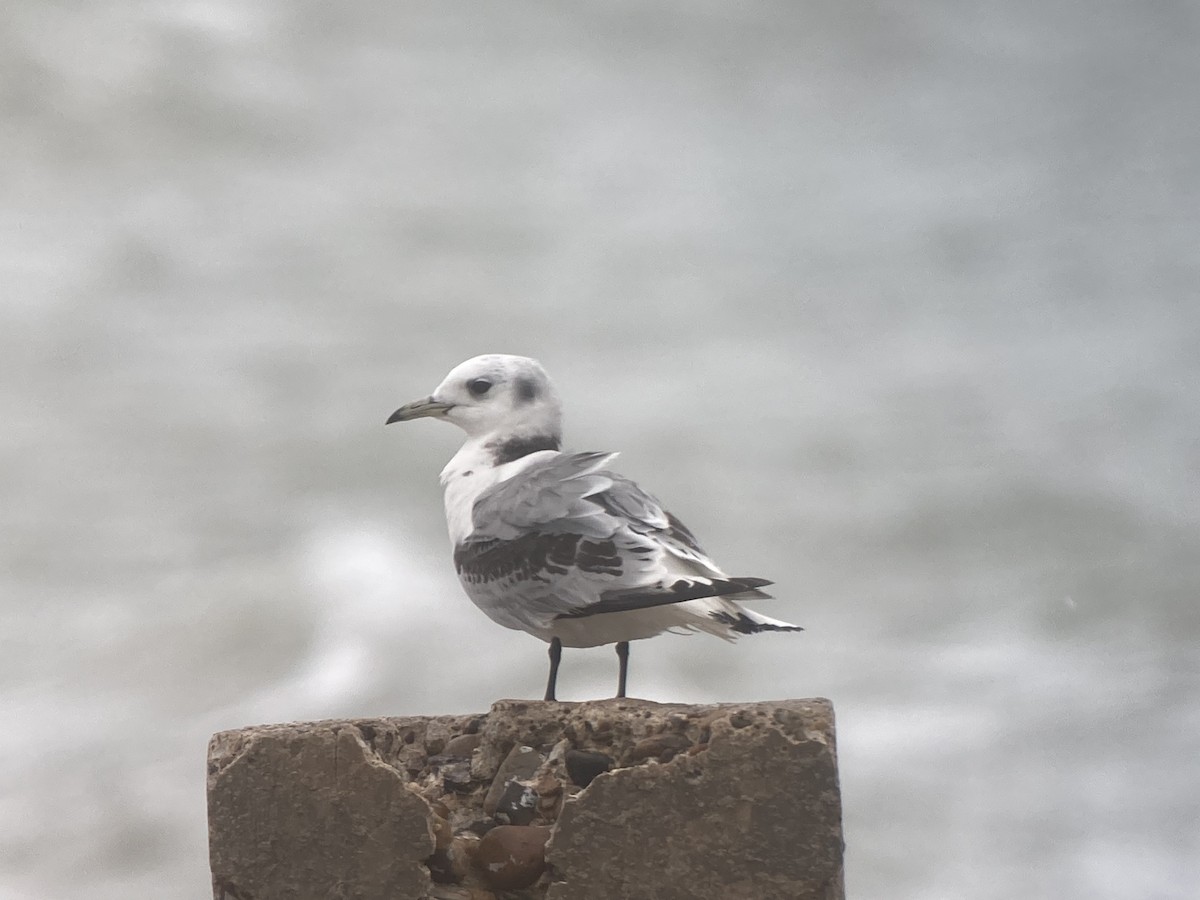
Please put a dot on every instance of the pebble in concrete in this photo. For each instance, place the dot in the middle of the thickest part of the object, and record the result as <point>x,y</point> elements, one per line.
<point>511,857</point>
<point>518,803</point>
<point>520,765</point>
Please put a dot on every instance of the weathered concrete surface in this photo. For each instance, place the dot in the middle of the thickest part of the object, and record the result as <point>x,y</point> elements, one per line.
<point>312,810</point>
<point>728,801</point>
<point>756,816</point>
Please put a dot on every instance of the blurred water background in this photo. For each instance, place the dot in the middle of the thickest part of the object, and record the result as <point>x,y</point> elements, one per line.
<point>894,303</point>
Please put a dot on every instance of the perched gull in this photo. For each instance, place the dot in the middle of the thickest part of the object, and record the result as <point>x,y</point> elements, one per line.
<point>555,544</point>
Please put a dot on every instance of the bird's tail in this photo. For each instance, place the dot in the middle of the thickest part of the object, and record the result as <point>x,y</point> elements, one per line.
<point>746,621</point>
<point>725,618</point>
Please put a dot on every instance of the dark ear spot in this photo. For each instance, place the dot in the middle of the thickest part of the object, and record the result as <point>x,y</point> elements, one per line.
<point>526,390</point>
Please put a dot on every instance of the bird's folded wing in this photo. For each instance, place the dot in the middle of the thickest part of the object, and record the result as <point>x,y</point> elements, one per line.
<point>606,545</point>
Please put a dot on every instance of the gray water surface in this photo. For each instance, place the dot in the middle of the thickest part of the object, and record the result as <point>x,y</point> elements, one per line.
<point>895,304</point>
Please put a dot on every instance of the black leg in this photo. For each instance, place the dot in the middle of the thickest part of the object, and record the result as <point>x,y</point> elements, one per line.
<point>555,656</point>
<point>623,656</point>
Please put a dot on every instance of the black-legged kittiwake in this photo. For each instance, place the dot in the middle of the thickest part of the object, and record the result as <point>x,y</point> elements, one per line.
<point>554,543</point>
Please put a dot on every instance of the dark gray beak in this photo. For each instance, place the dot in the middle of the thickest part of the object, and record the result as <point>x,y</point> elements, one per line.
<point>419,409</point>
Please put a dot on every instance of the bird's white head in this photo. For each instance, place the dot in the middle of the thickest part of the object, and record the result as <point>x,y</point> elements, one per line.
<point>493,396</point>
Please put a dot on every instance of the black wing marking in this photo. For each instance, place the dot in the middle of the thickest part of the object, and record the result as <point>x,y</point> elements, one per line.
<point>678,591</point>
<point>536,556</point>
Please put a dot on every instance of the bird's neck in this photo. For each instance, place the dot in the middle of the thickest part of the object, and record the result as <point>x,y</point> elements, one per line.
<point>508,448</point>
<point>499,448</point>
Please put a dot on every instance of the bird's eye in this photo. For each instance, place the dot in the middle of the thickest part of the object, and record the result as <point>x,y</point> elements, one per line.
<point>479,386</point>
